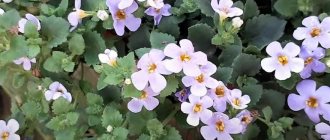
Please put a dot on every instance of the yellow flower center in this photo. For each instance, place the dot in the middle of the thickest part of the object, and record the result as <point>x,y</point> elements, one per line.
<point>82,14</point>
<point>220,91</point>
<point>236,102</point>
<point>5,135</point>
<point>120,15</point>
<point>200,78</point>
<point>312,102</point>
<point>197,108</point>
<point>185,57</point>
<point>315,32</point>
<point>112,62</point>
<point>308,60</point>
<point>152,68</point>
<point>143,95</point>
<point>220,126</point>
<point>283,59</point>
<point>246,120</point>
<point>157,10</point>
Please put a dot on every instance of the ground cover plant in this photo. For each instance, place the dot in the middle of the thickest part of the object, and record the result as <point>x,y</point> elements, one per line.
<point>164,69</point>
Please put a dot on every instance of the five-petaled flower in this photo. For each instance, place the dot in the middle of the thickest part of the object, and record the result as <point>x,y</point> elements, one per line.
<point>197,109</point>
<point>312,61</point>
<point>324,130</point>
<point>76,17</point>
<point>220,127</point>
<point>7,132</point>
<point>314,102</point>
<point>314,32</point>
<point>246,118</point>
<point>220,95</point>
<point>158,13</point>
<point>108,57</point>
<point>26,62</point>
<point>146,99</point>
<point>184,58</point>
<point>224,8</point>
<point>183,94</point>
<point>237,100</point>
<point>123,17</point>
<point>282,61</point>
<point>151,70</point>
<point>57,90</point>
<point>31,18</point>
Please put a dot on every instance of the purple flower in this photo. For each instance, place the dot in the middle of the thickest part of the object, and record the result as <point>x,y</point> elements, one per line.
<point>7,132</point>
<point>183,94</point>
<point>123,17</point>
<point>246,118</point>
<point>324,130</point>
<point>198,84</point>
<point>314,32</point>
<point>313,101</point>
<point>26,62</point>
<point>237,100</point>
<point>224,8</point>
<point>312,61</point>
<point>220,127</point>
<point>282,61</point>
<point>197,109</point>
<point>184,58</point>
<point>76,17</point>
<point>57,90</point>
<point>151,67</point>
<point>31,18</point>
<point>158,13</point>
<point>220,97</point>
<point>146,99</point>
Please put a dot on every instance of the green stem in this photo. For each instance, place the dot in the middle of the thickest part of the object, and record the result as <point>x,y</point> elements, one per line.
<point>125,123</point>
<point>263,120</point>
<point>170,116</point>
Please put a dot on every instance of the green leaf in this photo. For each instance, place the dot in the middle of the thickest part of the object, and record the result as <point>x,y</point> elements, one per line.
<point>130,91</point>
<point>254,91</point>
<point>94,45</point>
<point>94,120</point>
<point>71,118</point>
<point>290,83</point>
<point>54,63</point>
<point>201,35</point>
<point>296,133</point>
<point>139,39</point>
<point>155,128</point>
<point>94,99</point>
<point>251,132</point>
<point>172,134</point>
<point>61,106</point>
<point>111,116</point>
<point>30,30</point>
<point>223,74</point>
<point>286,122</point>
<point>246,64</point>
<point>127,65</point>
<point>144,137</point>
<point>160,40</point>
<point>66,134</point>
<point>113,79</point>
<point>288,8</point>
<point>19,80</point>
<point>269,29</point>
<point>229,54</point>
<point>56,30</point>
<point>205,7</point>
<point>9,19</point>
<point>46,9</point>
<point>67,65</point>
<point>77,44</point>
<point>3,75</point>
<point>170,25</point>
<point>277,105</point>
<point>172,85</point>
<point>120,133</point>
<point>33,51</point>
<point>250,9</point>
<point>17,50</point>
<point>31,109</point>
<point>267,111</point>
<point>61,9</point>
<point>138,121</point>
<point>94,109</point>
<point>108,24</point>
<point>140,52</point>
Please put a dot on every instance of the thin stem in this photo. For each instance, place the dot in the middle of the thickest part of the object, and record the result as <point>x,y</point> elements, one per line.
<point>170,116</point>
<point>263,120</point>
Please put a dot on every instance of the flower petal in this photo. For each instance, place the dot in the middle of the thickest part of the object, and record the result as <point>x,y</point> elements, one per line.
<point>119,27</point>
<point>125,3</point>
<point>274,48</point>
<point>199,58</point>
<point>186,46</point>
<point>306,88</point>
<point>296,102</point>
<point>151,103</point>
<point>132,8</point>
<point>198,90</point>
<point>172,50</point>
<point>49,95</point>
<point>193,119</point>
<point>326,24</point>
<point>132,23</point>
<point>269,64</point>
<point>291,49</point>
<point>235,12</point>
<point>73,18</point>
<point>311,21</point>
<point>323,94</point>
<point>27,65</point>
<point>296,65</point>
<point>13,125</point>
<point>322,128</point>
<point>191,69</point>
<point>300,33</point>
<point>14,137</point>
<point>313,114</point>
<point>156,55</point>
<point>173,65</point>
<point>139,79</point>
<point>211,82</point>
<point>103,58</point>
<point>206,115</point>
<point>77,4</point>
<point>157,82</point>
<point>21,25</point>
<point>324,40</point>
<point>318,66</point>
<point>188,81</point>
<point>282,73</point>
<point>186,107</point>
<point>310,43</point>
<point>208,132</point>
<point>134,105</point>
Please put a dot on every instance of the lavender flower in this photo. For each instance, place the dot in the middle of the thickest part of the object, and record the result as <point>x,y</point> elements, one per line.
<point>220,96</point>
<point>197,109</point>
<point>26,62</point>
<point>108,57</point>
<point>184,58</point>
<point>76,17</point>
<point>7,132</point>
<point>313,101</point>
<point>224,8</point>
<point>123,17</point>
<point>199,83</point>
<point>324,130</point>
<point>246,118</point>
<point>151,67</point>
<point>183,94</point>
<point>156,3</point>
<point>146,99</point>
<point>282,61</point>
<point>57,90</point>
<point>158,13</point>
<point>28,17</point>
<point>237,100</point>
<point>312,61</point>
<point>314,32</point>
<point>220,127</point>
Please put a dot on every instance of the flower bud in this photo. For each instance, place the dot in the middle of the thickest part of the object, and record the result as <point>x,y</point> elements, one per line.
<point>103,15</point>
<point>237,22</point>
<point>109,128</point>
<point>128,81</point>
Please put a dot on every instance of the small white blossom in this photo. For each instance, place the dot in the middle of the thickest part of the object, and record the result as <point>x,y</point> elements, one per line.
<point>108,57</point>
<point>7,132</point>
<point>7,1</point>
<point>128,81</point>
<point>57,90</point>
<point>237,22</point>
<point>109,128</point>
<point>102,15</point>
<point>237,100</point>
<point>2,11</point>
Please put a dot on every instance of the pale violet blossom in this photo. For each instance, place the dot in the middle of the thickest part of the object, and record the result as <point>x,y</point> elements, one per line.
<point>8,131</point>
<point>146,99</point>
<point>238,101</point>
<point>57,90</point>
<point>237,22</point>
<point>197,109</point>
<point>156,3</point>
<point>324,130</point>
<point>220,95</point>
<point>314,32</point>
<point>282,61</point>
<point>225,8</point>
<point>108,57</point>
<point>25,62</point>
<point>102,15</point>
<point>158,13</point>
<point>28,17</point>
<point>184,58</point>
<point>77,15</point>
<point>245,118</point>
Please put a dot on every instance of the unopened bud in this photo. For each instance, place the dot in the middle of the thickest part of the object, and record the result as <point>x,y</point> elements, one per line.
<point>109,128</point>
<point>237,22</point>
<point>128,81</point>
<point>102,15</point>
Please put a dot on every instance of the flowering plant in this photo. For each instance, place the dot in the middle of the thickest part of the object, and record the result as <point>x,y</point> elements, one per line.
<point>164,69</point>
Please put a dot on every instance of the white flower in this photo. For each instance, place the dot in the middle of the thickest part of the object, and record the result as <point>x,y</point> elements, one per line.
<point>109,57</point>
<point>2,11</point>
<point>26,62</point>
<point>102,15</point>
<point>31,18</point>
<point>237,22</point>
<point>7,1</point>
<point>109,128</point>
<point>282,61</point>
<point>237,100</point>
<point>158,4</point>
<point>314,32</point>
<point>57,90</point>
<point>7,132</point>
<point>224,8</point>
